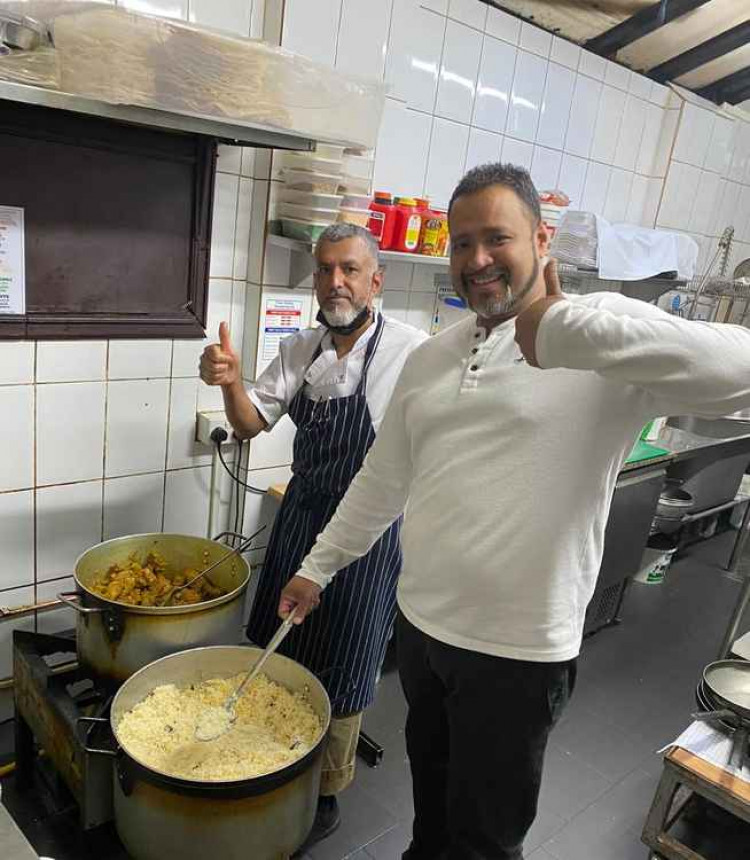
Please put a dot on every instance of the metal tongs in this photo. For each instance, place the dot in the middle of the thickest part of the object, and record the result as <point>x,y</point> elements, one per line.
<point>245,545</point>
<point>216,721</point>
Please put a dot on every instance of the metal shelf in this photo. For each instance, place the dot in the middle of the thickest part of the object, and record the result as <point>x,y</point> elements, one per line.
<point>225,130</point>
<point>385,256</point>
<point>699,515</point>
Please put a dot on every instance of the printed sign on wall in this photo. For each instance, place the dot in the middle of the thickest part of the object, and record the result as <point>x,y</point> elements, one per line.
<point>12,269</point>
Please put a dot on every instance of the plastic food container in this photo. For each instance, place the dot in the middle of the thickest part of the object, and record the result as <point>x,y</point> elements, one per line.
<point>312,162</point>
<point>354,216</point>
<point>308,213</point>
<point>329,150</point>
<point>306,231</point>
<point>354,185</point>
<point>305,180</point>
<point>358,166</point>
<point>356,201</point>
<point>310,198</point>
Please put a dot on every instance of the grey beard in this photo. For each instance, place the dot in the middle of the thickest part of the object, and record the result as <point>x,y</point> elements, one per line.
<point>492,307</point>
<point>341,317</point>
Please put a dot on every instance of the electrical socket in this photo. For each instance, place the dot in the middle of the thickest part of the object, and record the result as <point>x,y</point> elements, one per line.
<point>207,421</point>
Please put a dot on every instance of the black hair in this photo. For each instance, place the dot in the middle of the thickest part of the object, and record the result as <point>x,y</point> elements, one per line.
<point>506,175</point>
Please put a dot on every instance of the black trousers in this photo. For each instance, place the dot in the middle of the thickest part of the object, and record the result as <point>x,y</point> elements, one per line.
<point>476,733</point>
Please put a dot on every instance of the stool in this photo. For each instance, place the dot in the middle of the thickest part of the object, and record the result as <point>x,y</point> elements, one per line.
<point>684,775</point>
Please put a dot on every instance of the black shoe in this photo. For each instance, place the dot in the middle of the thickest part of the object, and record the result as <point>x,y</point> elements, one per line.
<point>327,820</point>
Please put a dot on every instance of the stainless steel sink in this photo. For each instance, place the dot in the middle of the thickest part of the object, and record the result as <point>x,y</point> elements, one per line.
<point>713,428</point>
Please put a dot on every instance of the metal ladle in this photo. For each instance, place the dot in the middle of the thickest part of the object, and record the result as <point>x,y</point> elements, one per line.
<point>216,721</point>
<point>245,545</point>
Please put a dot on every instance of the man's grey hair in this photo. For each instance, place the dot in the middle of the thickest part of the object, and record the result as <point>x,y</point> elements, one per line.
<point>339,232</point>
<point>509,176</point>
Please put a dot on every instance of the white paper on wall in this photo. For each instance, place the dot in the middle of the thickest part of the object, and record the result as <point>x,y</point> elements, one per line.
<point>281,317</point>
<point>12,266</point>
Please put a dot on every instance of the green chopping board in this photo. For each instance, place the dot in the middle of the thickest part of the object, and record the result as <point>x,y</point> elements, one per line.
<point>644,451</point>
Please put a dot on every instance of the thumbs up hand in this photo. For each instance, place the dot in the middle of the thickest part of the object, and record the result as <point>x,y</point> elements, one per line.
<point>527,322</point>
<point>220,364</point>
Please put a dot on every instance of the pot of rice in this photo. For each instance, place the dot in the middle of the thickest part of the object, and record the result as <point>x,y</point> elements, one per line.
<point>252,793</point>
<point>120,625</point>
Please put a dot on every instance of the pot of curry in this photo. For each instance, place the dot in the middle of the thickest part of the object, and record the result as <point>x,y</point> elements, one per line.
<point>121,625</point>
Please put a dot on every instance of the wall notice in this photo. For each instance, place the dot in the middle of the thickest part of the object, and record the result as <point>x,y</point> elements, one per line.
<point>12,270</point>
<point>282,317</point>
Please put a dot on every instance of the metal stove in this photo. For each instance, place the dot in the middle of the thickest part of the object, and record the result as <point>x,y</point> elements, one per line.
<point>52,694</point>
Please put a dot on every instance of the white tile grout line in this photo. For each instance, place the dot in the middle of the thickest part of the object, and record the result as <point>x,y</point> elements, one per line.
<point>169,433</point>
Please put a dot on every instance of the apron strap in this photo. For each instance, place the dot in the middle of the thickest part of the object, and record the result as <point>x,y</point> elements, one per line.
<point>370,352</point>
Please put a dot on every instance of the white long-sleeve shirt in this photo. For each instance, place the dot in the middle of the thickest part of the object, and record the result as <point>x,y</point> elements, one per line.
<point>507,471</point>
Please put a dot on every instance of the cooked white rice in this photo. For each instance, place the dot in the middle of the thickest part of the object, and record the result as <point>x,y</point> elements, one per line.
<point>274,728</point>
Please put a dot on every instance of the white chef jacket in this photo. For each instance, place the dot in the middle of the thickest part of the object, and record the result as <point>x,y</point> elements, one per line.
<point>330,376</point>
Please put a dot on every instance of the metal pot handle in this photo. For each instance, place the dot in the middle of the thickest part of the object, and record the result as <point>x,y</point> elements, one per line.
<point>66,598</point>
<point>95,750</point>
<point>242,537</point>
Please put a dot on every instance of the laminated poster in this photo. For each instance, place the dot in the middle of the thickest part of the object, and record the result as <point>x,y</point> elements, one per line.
<point>282,317</point>
<point>12,270</point>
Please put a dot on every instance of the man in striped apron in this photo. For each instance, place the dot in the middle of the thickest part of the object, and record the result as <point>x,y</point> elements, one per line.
<point>334,382</point>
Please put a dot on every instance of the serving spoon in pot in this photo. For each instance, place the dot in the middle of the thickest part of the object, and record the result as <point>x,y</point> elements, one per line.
<point>215,721</point>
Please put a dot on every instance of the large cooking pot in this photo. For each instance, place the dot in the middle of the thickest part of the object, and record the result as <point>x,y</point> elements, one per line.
<point>114,639</point>
<point>161,817</point>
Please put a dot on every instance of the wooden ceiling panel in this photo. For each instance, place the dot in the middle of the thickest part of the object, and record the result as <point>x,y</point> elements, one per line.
<point>719,68</point>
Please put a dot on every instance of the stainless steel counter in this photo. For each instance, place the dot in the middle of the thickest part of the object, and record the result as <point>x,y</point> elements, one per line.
<point>13,844</point>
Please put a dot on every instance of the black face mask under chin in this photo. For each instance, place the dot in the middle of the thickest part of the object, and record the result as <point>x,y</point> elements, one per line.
<point>351,327</point>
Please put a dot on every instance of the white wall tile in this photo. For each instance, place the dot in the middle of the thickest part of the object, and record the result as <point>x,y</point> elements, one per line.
<point>666,142</point>
<point>14,598</point>
<point>262,510</point>
<point>310,29</point>
<point>727,214</point>
<point>535,40</point>
<point>484,148</point>
<point>526,100</point>
<point>223,226</point>
<point>592,65</point>
<point>58,619</point>
<point>71,361</point>
<point>607,128</point>
<point>133,505</point>
<point>694,135</point>
<point>517,152</point>
<point>637,205</point>
<point>423,280</point>
<point>565,53</point>
<point>230,15</point>
<point>421,311</point>
<point>471,12</point>
<point>186,356</point>
<point>572,178</point>
<point>721,145</point>
<point>242,228</point>
<point>556,106</point>
<point>414,52</point>
<point>140,359</point>
<point>229,159</point>
<point>69,521</point>
<point>617,76</point>
<point>653,200</point>
<point>17,448</point>
<point>660,94</point>
<point>458,72</point>
<point>16,362</point>
<point>503,26</point>
<point>137,412</point>
<point>16,539</point>
<point>705,203</point>
<point>402,149</point>
<point>70,432</point>
<point>583,115</point>
<point>273,449</point>
<point>545,168</point>
<point>398,275</point>
<point>440,6</point>
<point>363,38</point>
<point>741,155</point>
<point>494,85</point>
<point>595,189</point>
<point>183,450</point>
<point>186,501</point>
<point>679,195</point>
<point>640,86</point>
<point>396,304</point>
<point>618,195</point>
<point>631,133</point>
<point>447,159</point>
<point>646,161</point>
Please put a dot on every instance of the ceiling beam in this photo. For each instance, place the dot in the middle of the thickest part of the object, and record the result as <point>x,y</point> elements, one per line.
<point>730,89</point>
<point>741,96</point>
<point>641,24</point>
<point>704,53</point>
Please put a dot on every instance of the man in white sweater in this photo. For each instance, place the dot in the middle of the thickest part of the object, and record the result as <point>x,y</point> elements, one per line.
<point>502,443</point>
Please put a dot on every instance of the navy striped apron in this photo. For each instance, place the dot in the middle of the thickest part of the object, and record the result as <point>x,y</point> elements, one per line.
<point>344,640</point>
